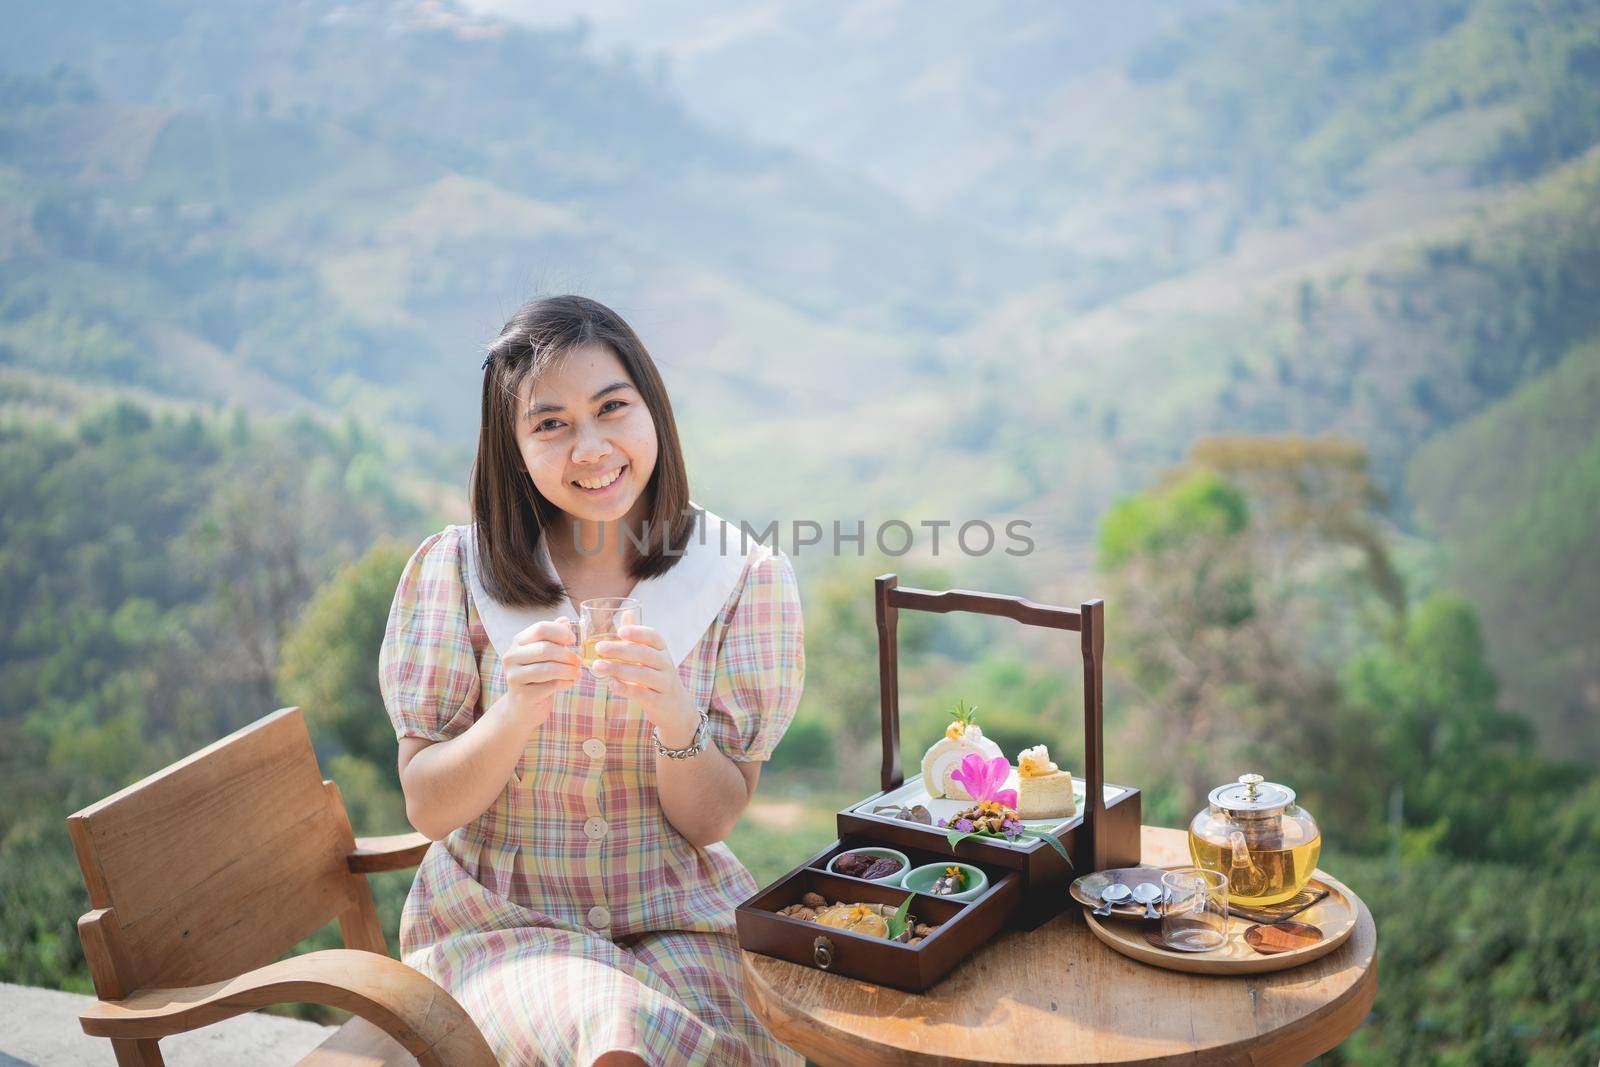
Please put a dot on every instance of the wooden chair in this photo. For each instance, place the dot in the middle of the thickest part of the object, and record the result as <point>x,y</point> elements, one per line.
<point>205,873</point>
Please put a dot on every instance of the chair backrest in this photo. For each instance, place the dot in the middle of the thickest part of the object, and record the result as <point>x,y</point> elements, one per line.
<point>218,864</point>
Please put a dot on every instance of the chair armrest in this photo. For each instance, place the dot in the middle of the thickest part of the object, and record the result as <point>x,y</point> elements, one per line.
<point>401,1001</point>
<point>395,853</point>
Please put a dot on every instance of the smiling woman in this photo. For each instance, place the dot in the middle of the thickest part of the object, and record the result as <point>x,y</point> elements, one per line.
<point>570,396</point>
<point>578,900</point>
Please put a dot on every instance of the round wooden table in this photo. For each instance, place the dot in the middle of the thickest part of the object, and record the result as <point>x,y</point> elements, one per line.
<point>1057,995</point>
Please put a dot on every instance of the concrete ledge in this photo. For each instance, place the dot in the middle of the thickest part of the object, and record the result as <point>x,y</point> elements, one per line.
<point>39,1028</point>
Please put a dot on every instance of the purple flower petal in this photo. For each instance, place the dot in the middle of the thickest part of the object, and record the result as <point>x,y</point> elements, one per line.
<point>964,825</point>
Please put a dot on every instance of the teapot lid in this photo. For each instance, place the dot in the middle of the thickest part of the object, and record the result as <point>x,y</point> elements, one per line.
<point>1252,797</point>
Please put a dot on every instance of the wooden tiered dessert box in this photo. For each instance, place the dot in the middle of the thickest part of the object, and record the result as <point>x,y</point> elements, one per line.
<point>1028,879</point>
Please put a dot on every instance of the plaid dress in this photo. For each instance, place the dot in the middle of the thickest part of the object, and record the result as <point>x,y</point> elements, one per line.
<point>571,918</point>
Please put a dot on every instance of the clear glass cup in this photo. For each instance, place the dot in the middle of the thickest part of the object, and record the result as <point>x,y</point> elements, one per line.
<point>600,619</point>
<point>1194,912</point>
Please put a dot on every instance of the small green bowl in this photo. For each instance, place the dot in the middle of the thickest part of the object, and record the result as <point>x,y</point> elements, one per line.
<point>874,850</point>
<point>921,880</point>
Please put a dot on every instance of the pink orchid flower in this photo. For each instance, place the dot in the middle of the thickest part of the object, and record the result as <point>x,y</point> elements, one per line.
<point>983,778</point>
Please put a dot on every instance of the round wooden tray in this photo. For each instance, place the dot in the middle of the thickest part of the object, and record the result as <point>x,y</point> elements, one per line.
<point>1335,915</point>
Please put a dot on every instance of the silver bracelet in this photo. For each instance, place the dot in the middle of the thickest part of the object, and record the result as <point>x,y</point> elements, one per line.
<point>695,746</point>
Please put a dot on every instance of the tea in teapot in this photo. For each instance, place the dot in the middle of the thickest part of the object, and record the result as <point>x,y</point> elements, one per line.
<point>1253,833</point>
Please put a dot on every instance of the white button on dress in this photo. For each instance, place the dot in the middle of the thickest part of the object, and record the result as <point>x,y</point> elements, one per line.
<point>594,748</point>
<point>599,916</point>
<point>594,829</point>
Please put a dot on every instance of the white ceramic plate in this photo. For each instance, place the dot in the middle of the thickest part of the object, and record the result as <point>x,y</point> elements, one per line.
<point>912,793</point>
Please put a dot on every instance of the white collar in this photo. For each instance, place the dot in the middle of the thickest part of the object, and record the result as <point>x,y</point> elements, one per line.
<point>679,604</point>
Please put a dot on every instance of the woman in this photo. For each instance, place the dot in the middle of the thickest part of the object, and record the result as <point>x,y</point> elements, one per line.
<point>578,902</point>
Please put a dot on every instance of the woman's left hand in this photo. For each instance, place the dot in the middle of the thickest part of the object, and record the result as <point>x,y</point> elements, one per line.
<point>638,667</point>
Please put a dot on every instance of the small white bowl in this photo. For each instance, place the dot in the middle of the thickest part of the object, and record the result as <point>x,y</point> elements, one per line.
<point>874,850</point>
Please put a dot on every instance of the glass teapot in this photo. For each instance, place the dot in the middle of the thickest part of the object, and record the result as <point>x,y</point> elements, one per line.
<point>1254,833</point>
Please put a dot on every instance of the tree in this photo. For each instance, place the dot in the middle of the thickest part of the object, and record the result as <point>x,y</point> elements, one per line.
<point>114,626</point>
<point>1465,767</point>
<point>1236,588</point>
<point>283,511</point>
<point>842,695</point>
<point>329,663</point>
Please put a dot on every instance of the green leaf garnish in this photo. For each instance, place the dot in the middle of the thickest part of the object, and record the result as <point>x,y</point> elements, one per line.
<point>955,837</point>
<point>962,714</point>
<point>1055,842</point>
<point>897,921</point>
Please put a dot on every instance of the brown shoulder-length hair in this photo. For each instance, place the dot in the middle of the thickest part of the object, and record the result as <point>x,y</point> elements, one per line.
<point>510,513</point>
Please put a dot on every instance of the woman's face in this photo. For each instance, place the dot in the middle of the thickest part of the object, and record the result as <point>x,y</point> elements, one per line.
<point>586,435</point>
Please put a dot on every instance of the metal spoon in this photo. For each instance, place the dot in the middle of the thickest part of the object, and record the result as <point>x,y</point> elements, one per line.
<point>1110,896</point>
<point>1147,893</point>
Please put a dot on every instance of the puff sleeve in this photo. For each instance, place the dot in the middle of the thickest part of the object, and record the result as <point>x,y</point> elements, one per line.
<point>426,667</point>
<point>761,664</point>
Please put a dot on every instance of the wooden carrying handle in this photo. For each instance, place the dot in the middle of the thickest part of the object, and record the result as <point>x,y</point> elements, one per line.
<point>1088,620</point>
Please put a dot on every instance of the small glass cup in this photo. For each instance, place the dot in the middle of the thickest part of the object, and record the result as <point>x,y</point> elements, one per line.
<point>1194,916</point>
<point>600,619</point>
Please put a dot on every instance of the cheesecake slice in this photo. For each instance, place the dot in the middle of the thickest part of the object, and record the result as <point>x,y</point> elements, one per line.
<point>1044,791</point>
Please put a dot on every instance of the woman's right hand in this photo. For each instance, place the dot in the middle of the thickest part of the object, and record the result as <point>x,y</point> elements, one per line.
<point>447,784</point>
<point>542,661</point>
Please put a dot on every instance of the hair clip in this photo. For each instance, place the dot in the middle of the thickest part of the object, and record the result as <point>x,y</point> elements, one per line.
<point>486,360</point>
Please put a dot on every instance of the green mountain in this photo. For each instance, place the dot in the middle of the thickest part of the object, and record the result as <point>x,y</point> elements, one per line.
<point>1515,493</point>
<point>923,99</point>
<point>1387,343</point>
<point>289,219</point>
<point>1266,115</point>
<point>1355,218</point>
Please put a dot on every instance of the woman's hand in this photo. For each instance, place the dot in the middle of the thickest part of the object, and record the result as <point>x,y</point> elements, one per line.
<point>449,783</point>
<point>638,667</point>
<point>542,661</point>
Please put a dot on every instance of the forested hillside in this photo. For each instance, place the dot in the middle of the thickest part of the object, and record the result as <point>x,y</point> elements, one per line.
<point>1269,115</point>
<point>1515,492</point>
<point>329,233</point>
<point>296,188</point>
<point>152,569</point>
